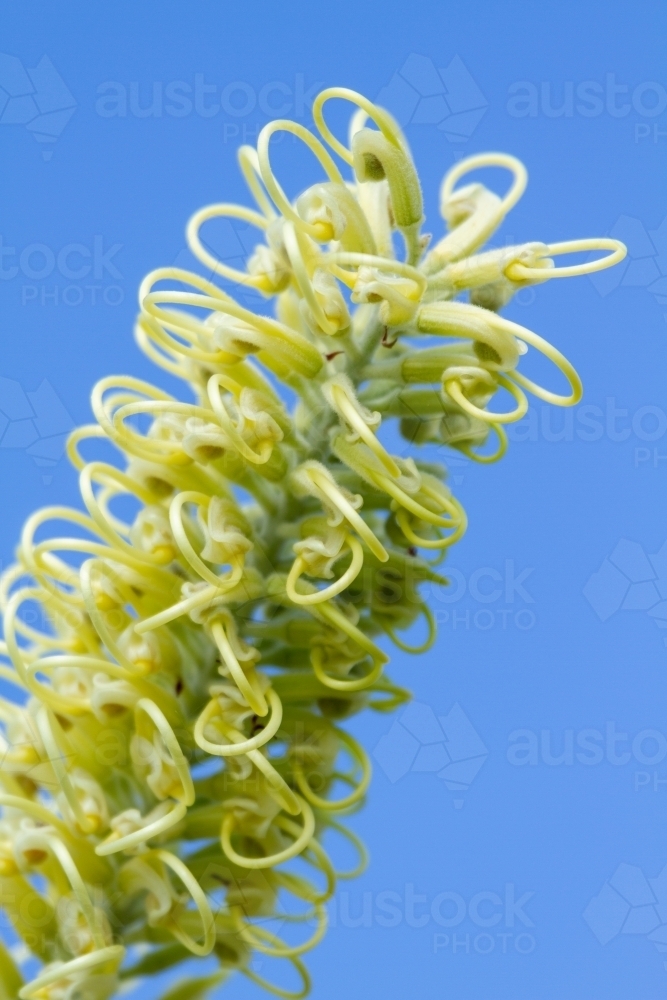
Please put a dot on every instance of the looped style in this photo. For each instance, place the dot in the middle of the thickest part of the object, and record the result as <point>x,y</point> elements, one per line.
<point>140,873</point>
<point>455,380</point>
<point>519,271</point>
<point>498,344</point>
<point>300,564</point>
<point>302,838</point>
<point>238,744</point>
<point>428,641</point>
<point>314,479</point>
<point>379,155</point>
<point>280,949</point>
<point>323,303</point>
<point>183,651</point>
<point>484,458</point>
<point>110,957</point>
<point>359,787</point>
<point>224,211</point>
<point>382,118</point>
<point>273,187</point>
<point>146,710</point>
<point>480,160</point>
<point>473,212</point>
<point>249,166</point>
<point>278,991</point>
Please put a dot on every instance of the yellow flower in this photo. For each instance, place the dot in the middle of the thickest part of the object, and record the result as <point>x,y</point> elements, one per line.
<point>184,681</point>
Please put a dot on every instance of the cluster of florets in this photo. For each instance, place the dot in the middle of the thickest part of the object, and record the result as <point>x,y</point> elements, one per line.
<point>187,650</point>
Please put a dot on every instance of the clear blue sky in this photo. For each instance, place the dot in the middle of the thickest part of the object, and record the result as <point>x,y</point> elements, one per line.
<point>539,877</point>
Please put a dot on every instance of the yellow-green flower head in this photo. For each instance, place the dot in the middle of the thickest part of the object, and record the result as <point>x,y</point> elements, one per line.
<point>183,672</point>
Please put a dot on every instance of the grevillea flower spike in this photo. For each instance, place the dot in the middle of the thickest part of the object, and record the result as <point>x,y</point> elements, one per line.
<point>186,650</point>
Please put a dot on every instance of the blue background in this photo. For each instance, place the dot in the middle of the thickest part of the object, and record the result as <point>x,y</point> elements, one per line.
<point>560,508</point>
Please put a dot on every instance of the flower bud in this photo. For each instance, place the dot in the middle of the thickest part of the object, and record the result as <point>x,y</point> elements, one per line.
<point>111,696</point>
<point>472,213</point>
<point>398,296</point>
<point>92,800</point>
<point>496,348</point>
<point>74,931</point>
<point>330,300</point>
<point>305,485</point>
<point>341,386</point>
<point>232,334</point>
<point>153,764</point>
<point>263,417</point>
<point>151,532</point>
<point>375,158</point>
<point>270,269</point>
<point>225,532</point>
<point>204,441</point>
<point>477,384</point>
<point>336,214</point>
<point>374,200</point>
<point>320,207</point>
<point>320,552</point>
<point>143,651</point>
<point>495,265</point>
